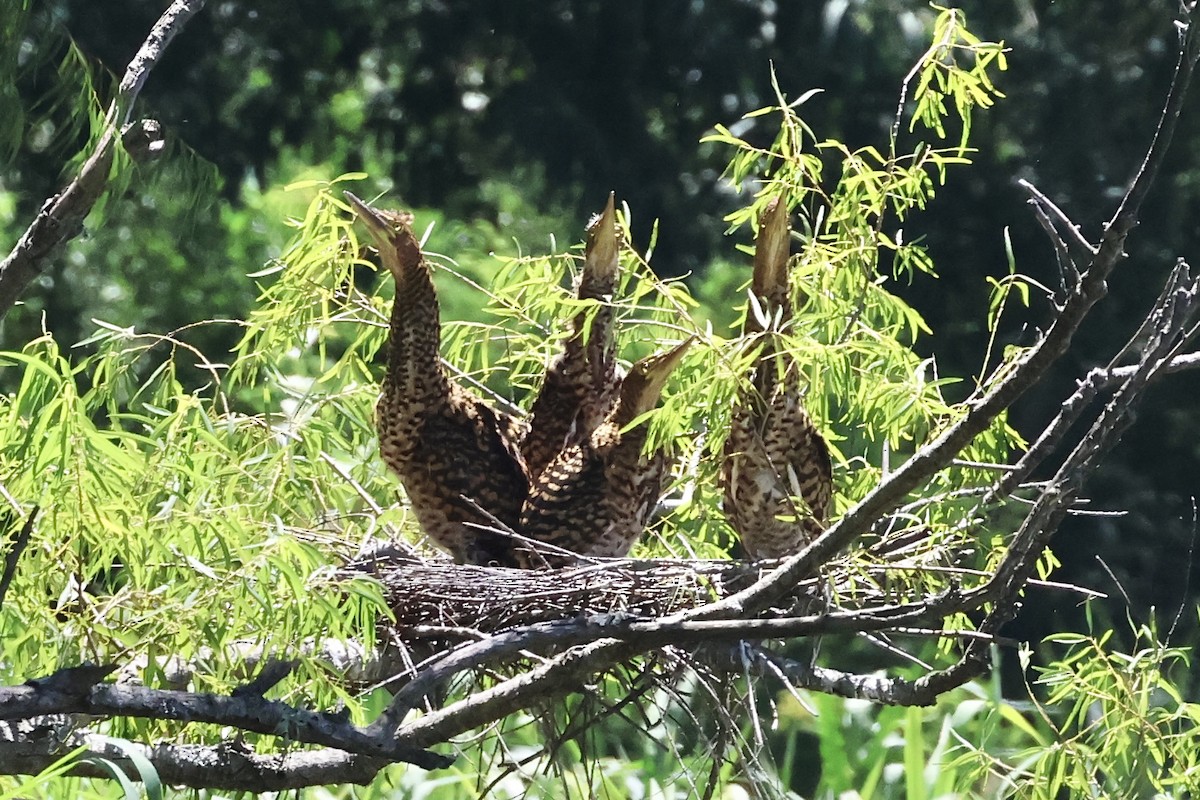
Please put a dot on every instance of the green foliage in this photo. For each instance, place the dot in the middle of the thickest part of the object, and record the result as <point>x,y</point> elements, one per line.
<point>831,747</point>
<point>159,506</point>
<point>1113,724</point>
<point>943,78</point>
<point>66,102</point>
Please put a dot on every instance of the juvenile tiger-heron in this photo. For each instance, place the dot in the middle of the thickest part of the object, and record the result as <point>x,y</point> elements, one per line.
<point>776,472</point>
<point>457,458</point>
<point>580,386</point>
<point>597,496</point>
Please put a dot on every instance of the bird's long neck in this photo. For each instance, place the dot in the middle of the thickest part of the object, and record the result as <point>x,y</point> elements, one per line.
<point>631,405</point>
<point>774,301</point>
<point>415,371</point>
<point>771,366</point>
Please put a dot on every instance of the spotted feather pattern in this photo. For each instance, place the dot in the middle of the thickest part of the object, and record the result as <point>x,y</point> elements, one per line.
<point>595,498</point>
<point>776,474</point>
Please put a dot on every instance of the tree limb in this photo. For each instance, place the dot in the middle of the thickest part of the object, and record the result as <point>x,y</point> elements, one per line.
<point>61,217</point>
<point>12,556</point>
<point>73,692</point>
<point>228,766</point>
<point>1115,375</point>
<point>559,676</point>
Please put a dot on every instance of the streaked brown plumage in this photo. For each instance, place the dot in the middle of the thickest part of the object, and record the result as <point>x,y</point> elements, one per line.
<point>596,497</point>
<point>579,389</point>
<point>448,447</point>
<point>776,472</point>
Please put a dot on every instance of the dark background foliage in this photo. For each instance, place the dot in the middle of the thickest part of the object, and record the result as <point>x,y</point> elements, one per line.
<point>514,112</point>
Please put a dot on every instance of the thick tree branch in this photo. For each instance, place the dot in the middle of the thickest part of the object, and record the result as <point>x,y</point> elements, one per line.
<point>647,634</point>
<point>561,675</point>
<point>229,766</point>
<point>74,692</point>
<point>922,691</point>
<point>1113,376</point>
<point>12,554</point>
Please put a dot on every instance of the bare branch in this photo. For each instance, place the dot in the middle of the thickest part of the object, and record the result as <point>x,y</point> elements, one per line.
<point>1068,270</point>
<point>61,217</point>
<point>561,675</point>
<point>1149,329</point>
<point>229,766</point>
<point>922,691</point>
<point>272,672</point>
<point>1045,208</point>
<point>72,692</point>
<point>1110,377</point>
<point>1189,51</point>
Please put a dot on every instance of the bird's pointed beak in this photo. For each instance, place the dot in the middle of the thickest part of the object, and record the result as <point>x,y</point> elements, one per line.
<point>377,226</point>
<point>603,246</point>
<point>664,363</point>
<point>652,373</point>
<point>771,251</point>
<point>392,233</point>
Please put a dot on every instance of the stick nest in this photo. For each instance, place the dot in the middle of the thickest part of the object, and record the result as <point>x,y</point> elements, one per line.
<point>424,593</point>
